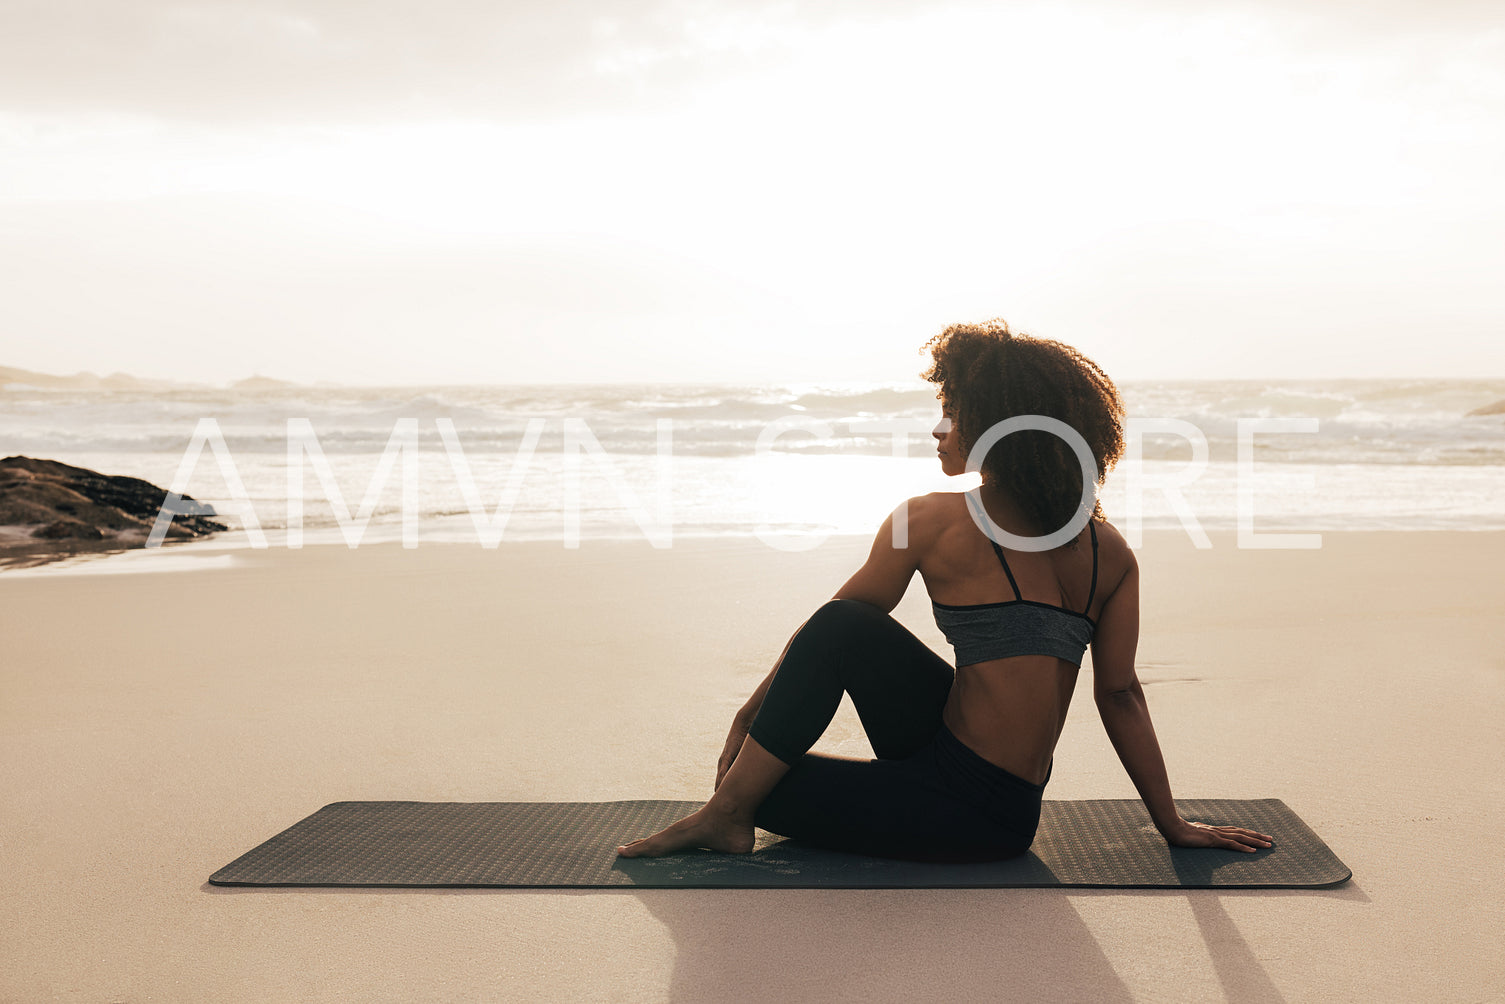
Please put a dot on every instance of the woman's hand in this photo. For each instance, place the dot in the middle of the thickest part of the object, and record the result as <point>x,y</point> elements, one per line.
<point>734,739</point>
<point>1234,838</point>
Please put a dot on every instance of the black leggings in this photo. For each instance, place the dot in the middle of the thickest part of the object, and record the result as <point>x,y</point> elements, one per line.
<point>926,796</point>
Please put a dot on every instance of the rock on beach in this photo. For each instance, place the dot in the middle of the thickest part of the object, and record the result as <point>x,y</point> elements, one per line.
<point>52,501</point>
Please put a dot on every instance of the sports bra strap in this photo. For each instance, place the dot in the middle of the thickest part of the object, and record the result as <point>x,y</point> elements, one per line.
<point>982,515</point>
<point>1093,591</point>
<point>1006,570</point>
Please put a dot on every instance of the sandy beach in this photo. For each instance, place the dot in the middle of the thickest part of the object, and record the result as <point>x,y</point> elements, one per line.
<point>158,724</point>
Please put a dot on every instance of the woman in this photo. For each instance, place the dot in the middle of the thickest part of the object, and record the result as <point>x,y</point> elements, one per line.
<point>962,755</point>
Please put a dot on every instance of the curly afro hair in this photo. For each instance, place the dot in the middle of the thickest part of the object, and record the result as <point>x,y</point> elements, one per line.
<point>988,374</point>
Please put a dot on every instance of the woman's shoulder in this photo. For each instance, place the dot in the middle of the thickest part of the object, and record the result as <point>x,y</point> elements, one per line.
<point>937,510</point>
<point>938,502</point>
<point>930,517</point>
<point>1109,537</point>
<point>1115,557</point>
<point>936,514</point>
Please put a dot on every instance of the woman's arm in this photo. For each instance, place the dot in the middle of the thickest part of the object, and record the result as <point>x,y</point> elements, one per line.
<point>881,581</point>
<point>891,563</point>
<point>749,711</point>
<point>1120,699</point>
<point>1126,718</point>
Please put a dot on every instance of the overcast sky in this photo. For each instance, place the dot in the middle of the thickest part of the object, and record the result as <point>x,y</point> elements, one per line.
<point>374,191</point>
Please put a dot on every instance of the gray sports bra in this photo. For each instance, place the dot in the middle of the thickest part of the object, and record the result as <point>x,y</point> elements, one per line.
<point>982,631</point>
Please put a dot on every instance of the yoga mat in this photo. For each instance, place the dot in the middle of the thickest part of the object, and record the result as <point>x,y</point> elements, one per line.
<point>1105,843</point>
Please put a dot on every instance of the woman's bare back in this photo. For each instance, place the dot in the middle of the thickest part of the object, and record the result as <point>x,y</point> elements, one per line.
<point>1010,711</point>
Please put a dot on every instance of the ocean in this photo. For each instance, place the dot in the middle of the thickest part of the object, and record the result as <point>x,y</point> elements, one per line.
<point>788,464</point>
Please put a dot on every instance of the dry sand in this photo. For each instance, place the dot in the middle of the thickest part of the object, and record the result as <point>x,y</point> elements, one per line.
<point>156,725</point>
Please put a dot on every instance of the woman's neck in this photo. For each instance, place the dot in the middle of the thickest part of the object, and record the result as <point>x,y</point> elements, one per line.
<point>1000,503</point>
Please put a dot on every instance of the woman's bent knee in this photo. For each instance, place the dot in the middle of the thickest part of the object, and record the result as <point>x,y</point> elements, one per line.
<point>848,612</point>
<point>849,627</point>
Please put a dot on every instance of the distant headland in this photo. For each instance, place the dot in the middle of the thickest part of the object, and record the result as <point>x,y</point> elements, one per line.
<point>15,377</point>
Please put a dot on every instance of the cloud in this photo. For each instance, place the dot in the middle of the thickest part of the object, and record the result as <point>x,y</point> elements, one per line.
<point>232,59</point>
<point>369,60</point>
<point>294,60</point>
<point>1364,16</point>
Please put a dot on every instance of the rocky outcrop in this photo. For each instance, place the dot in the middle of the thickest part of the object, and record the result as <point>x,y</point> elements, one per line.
<point>48,500</point>
<point>1498,408</point>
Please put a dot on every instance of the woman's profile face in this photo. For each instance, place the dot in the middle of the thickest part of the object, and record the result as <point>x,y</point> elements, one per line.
<point>948,446</point>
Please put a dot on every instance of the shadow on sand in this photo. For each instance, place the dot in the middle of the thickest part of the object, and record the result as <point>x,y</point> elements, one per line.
<point>926,944</point>
<point>898,944</point>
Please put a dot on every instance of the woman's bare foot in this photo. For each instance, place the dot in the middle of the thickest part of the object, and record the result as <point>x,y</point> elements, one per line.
<point>706,827</point>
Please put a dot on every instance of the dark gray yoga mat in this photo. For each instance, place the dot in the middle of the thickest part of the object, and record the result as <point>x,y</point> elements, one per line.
<point>1106,843</point>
